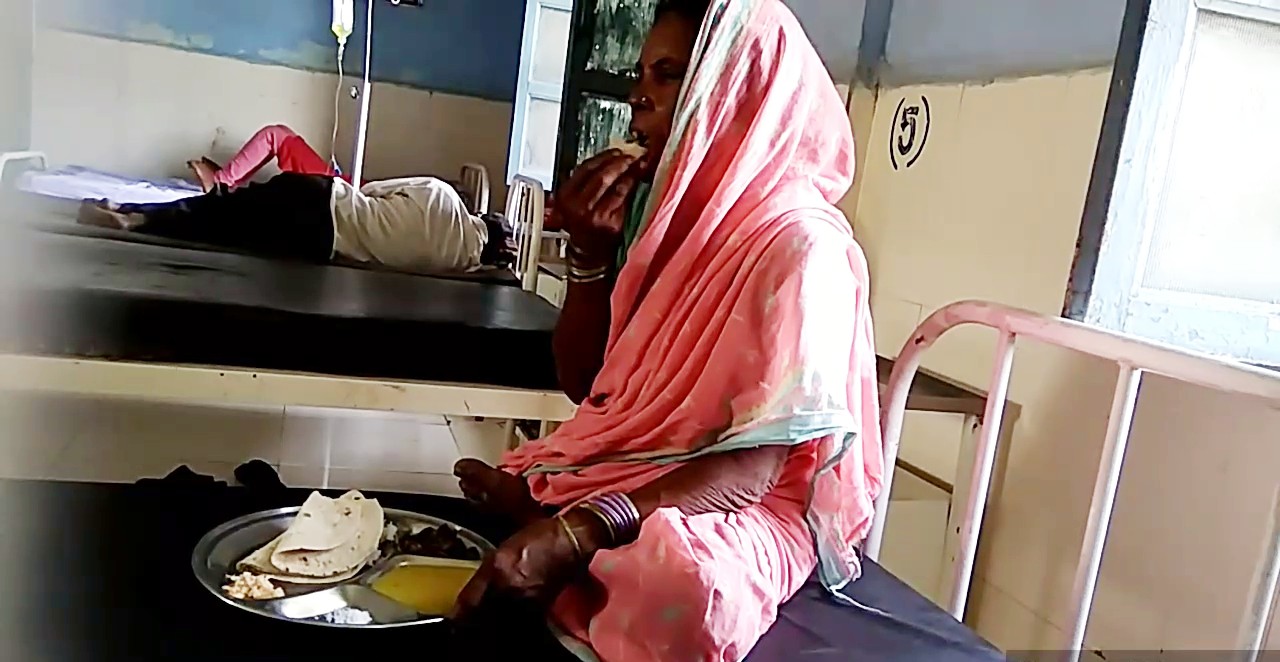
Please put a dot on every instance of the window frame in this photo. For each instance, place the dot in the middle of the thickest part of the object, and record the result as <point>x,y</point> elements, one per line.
<point>578,83</point>
<point>581,82</point>
<point>528,90</point>
<point>1129,176</point>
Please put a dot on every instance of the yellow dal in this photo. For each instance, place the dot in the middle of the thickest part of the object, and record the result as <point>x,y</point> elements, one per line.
<point>430,589</point>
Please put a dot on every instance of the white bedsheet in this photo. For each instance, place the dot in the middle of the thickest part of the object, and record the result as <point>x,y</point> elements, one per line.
<point>77,183</point>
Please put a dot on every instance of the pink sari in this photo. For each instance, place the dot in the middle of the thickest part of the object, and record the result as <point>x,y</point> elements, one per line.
<point>739,320</point>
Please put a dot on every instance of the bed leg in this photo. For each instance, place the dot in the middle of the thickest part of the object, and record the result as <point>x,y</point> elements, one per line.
<point>1256,629</point>
<point>979,479</point>
<point>971,428</point>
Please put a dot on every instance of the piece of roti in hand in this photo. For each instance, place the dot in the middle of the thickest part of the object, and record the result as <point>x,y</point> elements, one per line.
<point>631,149</point>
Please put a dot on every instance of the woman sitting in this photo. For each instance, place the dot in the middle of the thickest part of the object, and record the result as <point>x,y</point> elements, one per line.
<point>729,444</point>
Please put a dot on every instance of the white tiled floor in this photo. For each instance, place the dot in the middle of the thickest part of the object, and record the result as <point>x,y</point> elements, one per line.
<point>113,440</point>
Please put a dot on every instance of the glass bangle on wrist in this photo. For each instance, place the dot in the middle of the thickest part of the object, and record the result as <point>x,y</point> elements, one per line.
<point>578,274</point>
<point>595,511</point>
<point>568,530</point>
<point>619,514</point>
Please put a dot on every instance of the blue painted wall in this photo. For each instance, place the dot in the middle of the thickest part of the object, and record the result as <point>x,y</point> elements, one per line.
<point>949,40</point>
<point>469,47</point>
<point>835,28</point>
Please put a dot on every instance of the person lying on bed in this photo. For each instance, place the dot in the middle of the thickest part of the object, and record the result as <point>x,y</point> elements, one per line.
<point>730,443</point>
<point>277,141</point>
<point>274,142</point>
<point>415,224</point>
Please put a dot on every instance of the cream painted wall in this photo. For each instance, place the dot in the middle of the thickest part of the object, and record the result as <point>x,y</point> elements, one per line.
<point>145,110</point>
<point>992,210</point>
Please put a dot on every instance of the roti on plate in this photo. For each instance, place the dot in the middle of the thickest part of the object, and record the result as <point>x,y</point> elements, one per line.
<point>328,541</point>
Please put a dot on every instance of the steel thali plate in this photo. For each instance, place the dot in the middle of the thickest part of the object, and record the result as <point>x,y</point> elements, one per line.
<point>347,604</point>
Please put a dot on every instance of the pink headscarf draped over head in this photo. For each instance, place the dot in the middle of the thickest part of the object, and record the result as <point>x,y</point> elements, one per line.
<point>741,317</point>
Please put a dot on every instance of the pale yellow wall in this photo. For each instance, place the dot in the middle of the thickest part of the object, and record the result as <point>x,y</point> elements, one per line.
<point>144,110</point>
<point>991,211</point>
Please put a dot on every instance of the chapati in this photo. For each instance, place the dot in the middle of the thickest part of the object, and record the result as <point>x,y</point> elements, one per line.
<point>359,521</point>
<point>260,563</point>
<point>329,540</point>
<point>323,523</point>
<point>631,149</point>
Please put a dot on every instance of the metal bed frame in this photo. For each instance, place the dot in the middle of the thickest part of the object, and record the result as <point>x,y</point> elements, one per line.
<point>242,386</point>
<point>7,158</point>
<point>526,208</point>
<point>475,180</point>
<point>1135,357</point>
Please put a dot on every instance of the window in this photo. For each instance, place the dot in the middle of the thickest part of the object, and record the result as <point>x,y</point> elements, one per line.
<point>1187,251</point>
<point>557,125</point>
<point>536,115</point>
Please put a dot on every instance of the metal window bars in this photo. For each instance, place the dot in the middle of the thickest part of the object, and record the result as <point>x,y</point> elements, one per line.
<point>1135,357</point>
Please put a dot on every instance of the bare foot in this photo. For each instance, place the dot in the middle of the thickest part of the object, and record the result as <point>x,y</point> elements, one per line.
<point>496,491</point>
<point>206,172</point>
<point>103,214</point>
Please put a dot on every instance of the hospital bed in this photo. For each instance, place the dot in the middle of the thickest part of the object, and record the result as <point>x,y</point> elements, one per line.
<point>124,310</point>
<point>114,318</point>
<point>47,200</point>
<point>75,183</point>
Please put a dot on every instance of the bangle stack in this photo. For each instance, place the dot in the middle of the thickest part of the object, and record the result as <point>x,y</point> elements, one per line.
<point>619,515</point>
<point>580,272</point>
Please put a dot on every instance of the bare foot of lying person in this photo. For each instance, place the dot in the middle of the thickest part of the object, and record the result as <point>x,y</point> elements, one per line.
<point>103,214</point>
<point>496,491</point>
<point>206,172</point>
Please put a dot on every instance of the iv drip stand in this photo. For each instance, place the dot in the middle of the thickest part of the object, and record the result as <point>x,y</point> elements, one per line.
<point>362,128</point>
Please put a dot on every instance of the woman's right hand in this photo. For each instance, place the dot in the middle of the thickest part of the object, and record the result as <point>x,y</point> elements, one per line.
<point>592,205</point>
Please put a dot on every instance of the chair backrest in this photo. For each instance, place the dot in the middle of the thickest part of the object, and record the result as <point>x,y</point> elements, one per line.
<point>475,181</point>
<point>525,207</point>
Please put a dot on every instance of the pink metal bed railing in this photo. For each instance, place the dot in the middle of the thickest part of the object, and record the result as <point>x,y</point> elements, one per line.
<point>1135,357</point>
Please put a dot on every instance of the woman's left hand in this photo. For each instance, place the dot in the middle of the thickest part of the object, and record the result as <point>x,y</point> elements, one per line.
<point>535,564</point>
